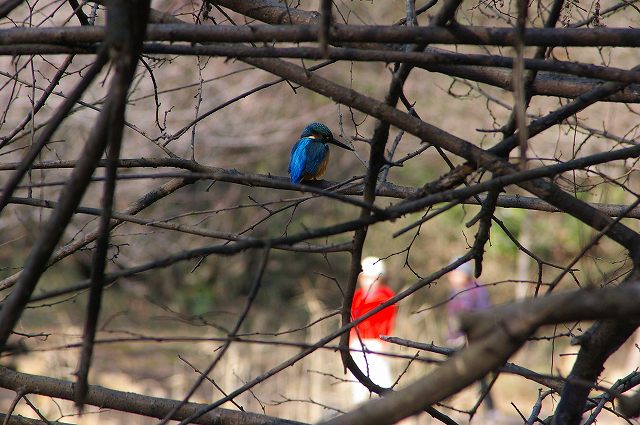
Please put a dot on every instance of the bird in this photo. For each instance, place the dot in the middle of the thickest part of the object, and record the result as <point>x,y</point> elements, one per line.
<point>310,154</point>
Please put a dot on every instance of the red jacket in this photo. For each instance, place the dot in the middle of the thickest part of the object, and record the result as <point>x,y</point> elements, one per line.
<point>380,323</point>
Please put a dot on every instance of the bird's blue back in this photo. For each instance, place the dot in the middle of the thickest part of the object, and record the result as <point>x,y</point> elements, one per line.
<point>307,157</point>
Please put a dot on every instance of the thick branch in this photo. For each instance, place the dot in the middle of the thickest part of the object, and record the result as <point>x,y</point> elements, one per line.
<point>339,33</point>
<point>274,12</point>
<point>596,345</point>
<point>154,407</point>
<point>127,21</point>
<point>555,383</point>
<point>125,49</point>
<point>496,336</point>
<point>7,6</point>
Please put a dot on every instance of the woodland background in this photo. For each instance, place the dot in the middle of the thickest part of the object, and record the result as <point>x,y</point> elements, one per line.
<point>159,329</point>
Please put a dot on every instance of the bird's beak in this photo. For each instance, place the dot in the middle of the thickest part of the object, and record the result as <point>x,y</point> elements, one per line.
<point>340,144</point>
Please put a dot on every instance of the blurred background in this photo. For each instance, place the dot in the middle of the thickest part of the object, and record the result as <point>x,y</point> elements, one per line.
<point>158,329</point>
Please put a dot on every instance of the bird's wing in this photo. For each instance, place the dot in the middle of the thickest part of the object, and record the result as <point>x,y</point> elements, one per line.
<point>297,160</point>
<point>316,154</point>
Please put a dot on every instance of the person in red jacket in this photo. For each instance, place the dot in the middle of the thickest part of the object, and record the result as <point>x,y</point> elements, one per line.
<point>365,342</point>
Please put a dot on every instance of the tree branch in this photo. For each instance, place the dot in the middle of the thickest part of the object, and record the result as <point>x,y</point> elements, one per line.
<point>339,33</point>
<point>127,21</point>
<point>76,186</point>
<point>495,336</point>
<point>154,407</point>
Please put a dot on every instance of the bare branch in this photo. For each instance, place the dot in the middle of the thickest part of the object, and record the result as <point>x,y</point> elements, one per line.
<point>339,33</point>
<point>127,22</point>
<point>153,407</point>
<point>75,188</point>
<point>495,336</point>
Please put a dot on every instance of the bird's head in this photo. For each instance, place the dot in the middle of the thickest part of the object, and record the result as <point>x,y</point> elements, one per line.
<point>321,133</point>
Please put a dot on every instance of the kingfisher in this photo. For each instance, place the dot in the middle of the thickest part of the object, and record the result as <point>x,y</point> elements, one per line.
<point>310,154</point>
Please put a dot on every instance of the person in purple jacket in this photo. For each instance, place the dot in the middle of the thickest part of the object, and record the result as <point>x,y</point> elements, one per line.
<point>466,295</point>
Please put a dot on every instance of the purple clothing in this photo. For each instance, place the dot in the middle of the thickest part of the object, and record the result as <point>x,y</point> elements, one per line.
<point>472,298</point>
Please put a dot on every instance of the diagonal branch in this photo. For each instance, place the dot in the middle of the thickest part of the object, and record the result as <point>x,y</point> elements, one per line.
<point>7,6</point>
<point>596,345</point>
<point>485,216</point>
<point>4,140</point>
<point>495,336</point>
<point>77,10</point>
<point>74,190</point>
<point>127,23</point>
<point>52,126</point>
